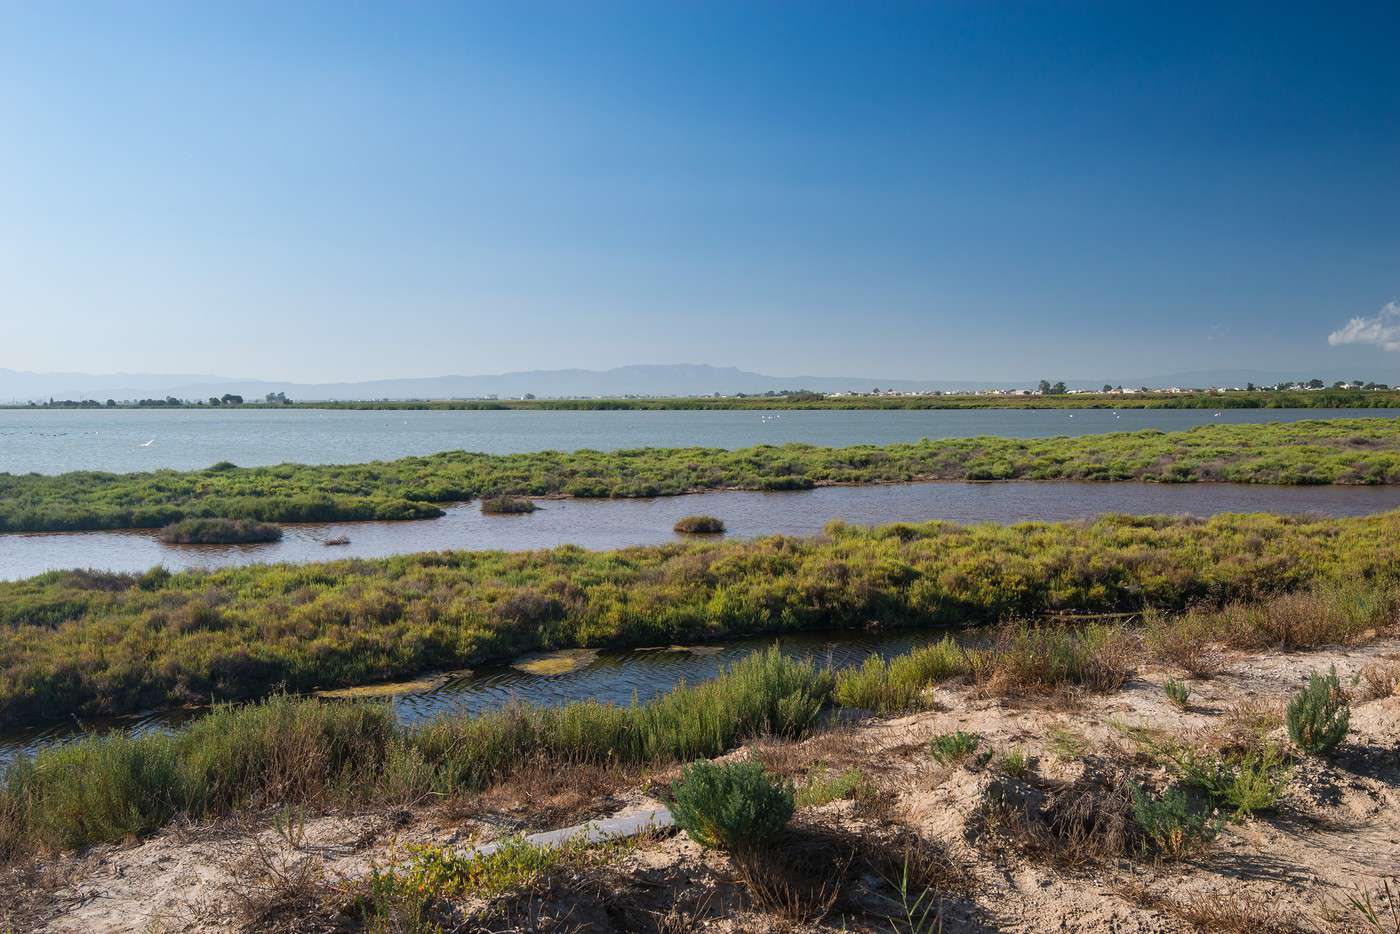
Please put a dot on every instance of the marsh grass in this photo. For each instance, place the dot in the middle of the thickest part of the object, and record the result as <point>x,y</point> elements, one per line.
<point>1356,451</point>
<point>286,751</point>
<point>1026,660</point>
<point>897,684</point>
<point>91,644</point>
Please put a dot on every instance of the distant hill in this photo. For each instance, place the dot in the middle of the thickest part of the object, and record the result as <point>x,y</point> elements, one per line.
<point>644,380</point>
<point>682,379</point>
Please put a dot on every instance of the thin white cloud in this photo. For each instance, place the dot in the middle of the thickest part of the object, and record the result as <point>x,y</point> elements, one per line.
<point>1382,329</point>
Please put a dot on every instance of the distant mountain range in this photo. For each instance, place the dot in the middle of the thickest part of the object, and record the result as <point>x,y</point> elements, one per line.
<point>642,380</point>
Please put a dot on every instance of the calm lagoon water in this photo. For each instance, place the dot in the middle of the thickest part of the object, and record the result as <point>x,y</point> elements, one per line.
<point>618,523</point>
<point>59,440</point>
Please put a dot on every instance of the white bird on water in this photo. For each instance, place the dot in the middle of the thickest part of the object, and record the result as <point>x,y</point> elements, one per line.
<point>148,443</point>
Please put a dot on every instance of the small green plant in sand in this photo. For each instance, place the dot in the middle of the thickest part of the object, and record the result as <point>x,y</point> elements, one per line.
<point>1013,762</point>
<point>952,748</point>
<point>1178,693</point>
<point>824,786</point>
<point>1173,824</point>
<point>1319,715</point>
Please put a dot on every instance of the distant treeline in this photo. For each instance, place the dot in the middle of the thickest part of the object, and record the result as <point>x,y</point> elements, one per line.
<point>1258,399</point>
<point>1346,451</point>
<point>1381,398</point>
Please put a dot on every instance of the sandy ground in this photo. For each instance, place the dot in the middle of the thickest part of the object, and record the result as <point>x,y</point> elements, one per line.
<point>1336,834</point>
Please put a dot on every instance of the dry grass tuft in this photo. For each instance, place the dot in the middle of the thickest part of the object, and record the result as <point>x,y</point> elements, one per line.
<point>1039,661</point>
<point>1077,825</point>
<point>546,792</point>
<point>1223,912</point>
<point>1378,679</point>
<point>274,893</point>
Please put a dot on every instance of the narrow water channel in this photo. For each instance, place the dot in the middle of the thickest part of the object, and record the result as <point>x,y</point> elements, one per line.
<point>619,523</point>
<point>616,677</point>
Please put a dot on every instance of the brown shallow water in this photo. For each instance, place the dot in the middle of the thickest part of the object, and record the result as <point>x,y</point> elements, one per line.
<point>618,523</point>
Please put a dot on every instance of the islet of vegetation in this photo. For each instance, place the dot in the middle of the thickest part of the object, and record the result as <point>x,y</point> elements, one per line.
<point>1344,451</point>
<point>699,525</point>
<point>507,505</point>
<point>218,531</point>
<point>89,643</point>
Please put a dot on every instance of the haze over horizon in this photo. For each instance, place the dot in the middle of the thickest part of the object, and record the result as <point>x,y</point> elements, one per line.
<point>957,192</point>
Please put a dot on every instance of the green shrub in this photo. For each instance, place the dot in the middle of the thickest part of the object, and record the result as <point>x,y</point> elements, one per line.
<point>1171,824</point>
<point>1319,715</point>
<point>730,805</point>
<point>699,525</point>
<point>507,505</point>
<point>214,531</point>
<point>1242,782</point>
<point>1178,693</point>
<point>101,789</point>
<point>949,748</point>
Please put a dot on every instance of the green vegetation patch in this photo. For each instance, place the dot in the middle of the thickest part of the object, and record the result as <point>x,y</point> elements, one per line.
<point>699,525</point>
<point>1352,451</point>
<point>91,643</point>
<point>217,531</point>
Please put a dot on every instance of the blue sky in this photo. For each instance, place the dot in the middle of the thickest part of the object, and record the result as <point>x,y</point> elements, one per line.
<point>954,190</point>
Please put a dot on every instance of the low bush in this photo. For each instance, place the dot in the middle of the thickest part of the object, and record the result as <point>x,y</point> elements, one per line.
<point>734,805</point>
<point>1242,782</point>
<point>699,525</point>
<point>1178,693</point>
<point>507,505</point>
<point>1173,824</point>
<point>213,531</point>
<point>1319,715</point>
